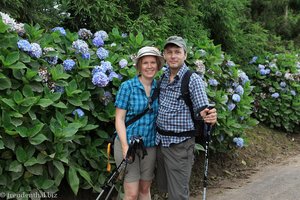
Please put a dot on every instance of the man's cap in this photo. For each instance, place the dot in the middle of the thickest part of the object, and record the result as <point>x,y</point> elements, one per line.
<point>177,40</point>
<point>149,51</point>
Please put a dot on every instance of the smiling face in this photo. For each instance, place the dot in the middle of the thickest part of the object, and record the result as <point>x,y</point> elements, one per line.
<point>148,66</point>
<point>174,56</point>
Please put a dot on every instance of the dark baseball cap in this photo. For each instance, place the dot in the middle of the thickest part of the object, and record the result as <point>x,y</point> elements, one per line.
<point>177,40</point>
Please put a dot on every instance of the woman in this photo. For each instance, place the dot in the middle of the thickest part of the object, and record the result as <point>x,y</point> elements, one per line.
<point>133,97</point>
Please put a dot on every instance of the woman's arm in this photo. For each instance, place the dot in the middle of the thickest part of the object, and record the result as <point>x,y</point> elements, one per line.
<point>121,129</point>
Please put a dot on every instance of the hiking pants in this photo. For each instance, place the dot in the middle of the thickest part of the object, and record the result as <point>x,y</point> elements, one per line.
<point>174,166</point>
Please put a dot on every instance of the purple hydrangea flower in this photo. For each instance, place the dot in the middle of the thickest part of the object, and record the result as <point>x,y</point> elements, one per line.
<point>60,29</point>
<point>52,60</point>
<point>230,63</point>
<point>86,56</point>
<point>231,106</point>
<point>107,97</point>
<point>101,34</point>
<point>68,64</point>
<point>293,92</point>
<point>282,84</point>
<point>113,75</point>
<point>124,35</point>
<point>78,112</point>
<point>123,63</point>
<point>243,76</point>
<point>239,90</point>
<point>36,50</point>
<point>96,69</point>
<point>278,73</point>
<point>106,66</point>
<point>24,45</point>
<point>213,82</point>
<point>102,53</point>
<point>236,98</point>
<point>275,95</point>
<point>98,42</point>
<point>80,46</point>
<point>85,33</point>
<point>253,60</point>
<point>260,66</point>
<point>100,79</point>
<point>239,142</point>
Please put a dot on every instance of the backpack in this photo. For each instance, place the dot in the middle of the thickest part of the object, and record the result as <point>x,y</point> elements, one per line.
<point>185,95</point>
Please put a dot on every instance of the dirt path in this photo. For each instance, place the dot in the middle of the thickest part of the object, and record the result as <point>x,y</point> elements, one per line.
<point>274,182</point>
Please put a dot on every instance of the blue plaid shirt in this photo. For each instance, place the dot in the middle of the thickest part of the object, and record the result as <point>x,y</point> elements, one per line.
<point>173,113</point>
<point>132,98</point>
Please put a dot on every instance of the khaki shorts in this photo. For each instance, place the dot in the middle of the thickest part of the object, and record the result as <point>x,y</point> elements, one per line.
<point>140,169</point>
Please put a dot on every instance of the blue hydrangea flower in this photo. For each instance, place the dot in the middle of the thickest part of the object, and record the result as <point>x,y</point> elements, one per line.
<point>123,63</point>
<point>101,34</point>
<point>113,75</point>
<point>96,69</point>
<point>260,66</point>
<point>36,50</point>
<point>102,53</point>
<point>100,79</point>
<point>60,29</point>
<point>52,60</point>
<point>24,45</point>
<point>78,112</point>
<point>113,44</point>
<point>213,82</point>
<point>278,73</point>
<point>86,56</point>
<point>236,98</point>
<point>275,95</point>
<point>239,90</point>
<point>124,35</point>
<point>68,64</point>
<point>106,66</point>
<point>230,63</point>
<point>282,84</point>
<point>293,92</point>
<point>85,33</point>
<point>98,42</point>
<point>80,46</point>
<point>231,106</point>
<point>239,142</point>
<point>243,76</point>
<point>202,52</point>
<point>253,60</point>
<point>107,97</point>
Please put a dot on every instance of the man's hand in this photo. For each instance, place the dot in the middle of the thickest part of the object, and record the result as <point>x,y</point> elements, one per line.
<point>209,115</point>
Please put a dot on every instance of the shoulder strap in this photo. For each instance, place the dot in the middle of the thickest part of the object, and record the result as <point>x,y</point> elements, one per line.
<point>152,99</point>
<point>185,93</point>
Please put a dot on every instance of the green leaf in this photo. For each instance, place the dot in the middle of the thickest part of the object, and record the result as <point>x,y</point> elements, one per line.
<point>22,130</point>
<point>139,38</point>
<point>27,91</point>
<point>18,97</point>
<point>18,65</point>
<point>21,154</point>
<point>73,180</point>
<point>36,169</point>
<point>31,161</point>
<point>5,82</point>
<point>75,101</point>
<point>15,166</point>
<point>10,103</point>
<point>29,101</point>
<point>71,129</point>
<point>60,105</point>
<point>38,139</point>
<point>3,27</point>
<point>11,58</point>
<point>59,165</point>
<point>1,144</point>
<point>37,127</point>
<point>45,102</point>
<point>85,175</point>
<point>57,73</point>
<point>89,127</point>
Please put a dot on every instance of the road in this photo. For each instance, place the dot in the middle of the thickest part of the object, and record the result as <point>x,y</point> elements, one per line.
<point>275,182</point>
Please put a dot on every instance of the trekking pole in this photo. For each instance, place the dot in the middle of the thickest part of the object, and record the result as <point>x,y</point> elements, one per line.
<point>207,135</point>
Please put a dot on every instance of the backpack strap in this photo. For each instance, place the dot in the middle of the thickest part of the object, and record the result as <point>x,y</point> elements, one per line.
<point>185,92</point>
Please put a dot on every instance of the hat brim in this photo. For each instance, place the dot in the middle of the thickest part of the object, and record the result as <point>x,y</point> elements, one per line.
<point>176,43</point>
<point>162,60</point>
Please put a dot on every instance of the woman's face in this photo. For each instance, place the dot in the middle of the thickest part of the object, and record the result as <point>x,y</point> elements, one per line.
<point>148,66</point>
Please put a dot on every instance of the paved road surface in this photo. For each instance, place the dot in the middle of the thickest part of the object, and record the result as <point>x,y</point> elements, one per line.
<point>276,182</point>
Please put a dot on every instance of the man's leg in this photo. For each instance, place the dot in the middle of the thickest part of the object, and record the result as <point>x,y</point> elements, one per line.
<point>161,178</point>
<point>179,159</point>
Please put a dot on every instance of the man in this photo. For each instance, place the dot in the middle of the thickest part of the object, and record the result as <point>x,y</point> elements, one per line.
<point>175,139</point>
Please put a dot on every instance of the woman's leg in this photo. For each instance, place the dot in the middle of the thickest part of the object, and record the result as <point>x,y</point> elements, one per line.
<point>144,190</point>
<point>131,190</point>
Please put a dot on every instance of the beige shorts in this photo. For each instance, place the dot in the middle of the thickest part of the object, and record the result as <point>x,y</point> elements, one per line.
<point>140,169</point>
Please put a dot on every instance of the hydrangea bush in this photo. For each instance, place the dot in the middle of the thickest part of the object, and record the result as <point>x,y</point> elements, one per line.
<point>57,102</point>
<point>277,88</point>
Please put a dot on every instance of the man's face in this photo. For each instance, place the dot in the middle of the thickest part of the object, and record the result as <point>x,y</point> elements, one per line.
<point>174,56</point>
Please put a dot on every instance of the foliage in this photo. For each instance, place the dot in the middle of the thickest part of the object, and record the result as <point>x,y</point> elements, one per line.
<point>276,80</point>
<point>57,92</point>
